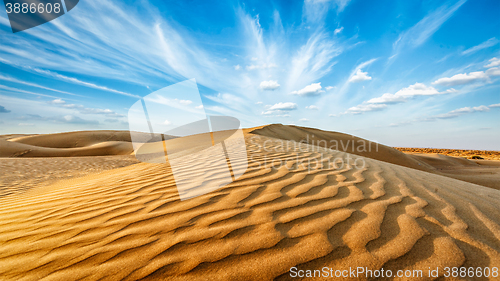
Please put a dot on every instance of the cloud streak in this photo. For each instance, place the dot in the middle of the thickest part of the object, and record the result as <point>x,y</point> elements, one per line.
<point>85,110</point>
<point>425,28</point>
<point>486,44</point>
<point>468,78</point>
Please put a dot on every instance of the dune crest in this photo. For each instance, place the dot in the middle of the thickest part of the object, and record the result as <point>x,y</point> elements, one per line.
<point>309,212</point>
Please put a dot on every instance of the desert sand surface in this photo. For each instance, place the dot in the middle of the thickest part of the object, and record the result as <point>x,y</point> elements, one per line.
<point>128,223</point>
<point>482,172</point>
<point>21,174</point>
<point>71,144</point>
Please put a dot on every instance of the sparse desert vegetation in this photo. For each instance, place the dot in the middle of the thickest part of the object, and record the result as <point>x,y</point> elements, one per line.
<point>469,154</point>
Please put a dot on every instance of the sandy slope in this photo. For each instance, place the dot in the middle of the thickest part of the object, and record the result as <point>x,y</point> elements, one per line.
<point>483,172</point>
<point>486,173</point>
<point>129,223</point>
<point>342,142</point>
<point>71,144</point>
<point>21,174</point>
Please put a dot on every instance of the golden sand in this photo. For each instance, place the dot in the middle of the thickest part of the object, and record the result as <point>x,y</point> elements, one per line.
<point>128,223</point>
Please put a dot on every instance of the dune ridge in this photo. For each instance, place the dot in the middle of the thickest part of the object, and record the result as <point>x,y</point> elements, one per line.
<point>70,144</point>
<point>482,172</point>
<point>129,224</point>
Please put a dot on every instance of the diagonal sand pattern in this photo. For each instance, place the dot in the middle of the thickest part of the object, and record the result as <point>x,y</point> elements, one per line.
<point>129,224</point>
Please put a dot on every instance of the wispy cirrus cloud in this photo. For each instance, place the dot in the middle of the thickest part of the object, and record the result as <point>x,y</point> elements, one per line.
<point>449,115</point>
<point>486,44</point>
<point>14,80</point>
<point>67,119</point>
<point>461,111</point>
<point>425,28</point>
<point>85,110</point>
<point>83,83</point>
<point>312,107</point>
<point>149,50</point>
<point>16,90</point>
<point>316,10</point>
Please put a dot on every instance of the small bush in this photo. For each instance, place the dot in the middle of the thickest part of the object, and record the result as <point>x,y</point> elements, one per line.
<point>476,157</point>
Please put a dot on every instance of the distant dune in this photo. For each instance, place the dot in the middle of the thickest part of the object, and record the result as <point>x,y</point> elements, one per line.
<point>481,172</point>
<point>469,154</point>
<point>83,143</point>
<point>343,142</point>
<point>128,223</point>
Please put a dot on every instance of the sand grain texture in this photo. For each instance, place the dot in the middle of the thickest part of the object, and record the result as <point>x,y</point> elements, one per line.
<point>129,224</point>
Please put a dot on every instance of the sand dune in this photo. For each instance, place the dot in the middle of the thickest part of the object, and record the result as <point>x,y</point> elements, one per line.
<point>129,224</point>
<point>342,142</point>
<point>482,172</point>
<point>72,144</point>
<point>21,174</point>
<point>486,173</point>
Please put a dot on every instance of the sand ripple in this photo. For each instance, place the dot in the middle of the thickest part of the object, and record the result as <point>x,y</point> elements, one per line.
<point>129,223</point>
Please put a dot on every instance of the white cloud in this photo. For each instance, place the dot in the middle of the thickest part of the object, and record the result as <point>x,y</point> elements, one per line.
<point>312,107</point>
<point>270,85</point>
<point>403,95</point>
<point>167,122</point>
<point>259,102</point>
<point>461,79</point>
<point>486,44</point>
<point>311,90</point>
<point>462,111</point>
<point>362,108</point>
<point>494,71</point>
<point>328,88</point>
<point>254,59</point>
<point>185,102</point>
<point>493,62</point>
<point>57,101</point>
<point>338,30</point>
<point>417,89</point>
<point>304,120</point>
<point>284,106</point>
<point>199,107</point>
<point>359,76</point>
<point>272,115</point>
<point>451,114</point>
<point>237,67</point>
<point>388,98</point>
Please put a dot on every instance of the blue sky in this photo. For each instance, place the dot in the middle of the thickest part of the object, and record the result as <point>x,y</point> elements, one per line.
<point>403,73</point>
